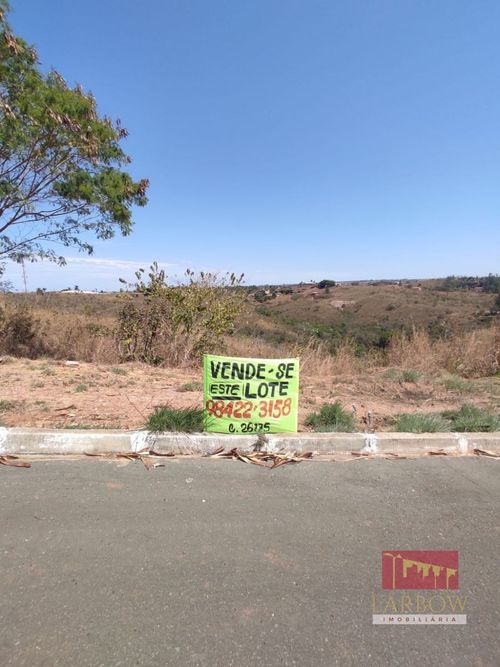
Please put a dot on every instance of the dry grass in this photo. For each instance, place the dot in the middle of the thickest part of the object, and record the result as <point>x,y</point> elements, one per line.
<point>88,334</point>
<point>246,346</point>
<point>69,336</point>
<point>318,362</point>
<point>476,354</point>
<point>470,355</point>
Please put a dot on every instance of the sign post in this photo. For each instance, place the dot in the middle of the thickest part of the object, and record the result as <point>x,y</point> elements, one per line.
<point>250,395</point>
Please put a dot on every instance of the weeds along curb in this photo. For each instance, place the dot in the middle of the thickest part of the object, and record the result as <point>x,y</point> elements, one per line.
<point>25,441</point>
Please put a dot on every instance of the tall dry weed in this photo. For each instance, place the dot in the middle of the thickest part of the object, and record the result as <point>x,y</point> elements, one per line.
<point>69,334</point>
<point>413,350</point>
<point>473,354</point>
<point>60,335</point>
<point>246,346</point>
<point>317,361</point>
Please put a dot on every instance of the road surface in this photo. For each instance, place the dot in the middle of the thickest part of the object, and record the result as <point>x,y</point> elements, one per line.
<point>219,563</point>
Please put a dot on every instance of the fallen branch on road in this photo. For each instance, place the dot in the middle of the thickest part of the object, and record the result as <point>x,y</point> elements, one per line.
<point>485,452</point>
<point>258,458</point>
<point>263,459</point>
<point>14,461</point>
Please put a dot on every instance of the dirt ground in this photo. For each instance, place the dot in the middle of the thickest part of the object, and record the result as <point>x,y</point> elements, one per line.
<point>52,394</point>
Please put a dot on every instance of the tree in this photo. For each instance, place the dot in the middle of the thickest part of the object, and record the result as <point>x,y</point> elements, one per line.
<point>61,177</point>
<point>326,283</point>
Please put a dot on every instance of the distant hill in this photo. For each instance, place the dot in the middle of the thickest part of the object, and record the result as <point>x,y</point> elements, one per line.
<point>369,311</point>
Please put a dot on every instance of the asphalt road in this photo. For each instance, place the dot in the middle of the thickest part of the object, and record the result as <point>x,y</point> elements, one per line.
<point>219,563</point>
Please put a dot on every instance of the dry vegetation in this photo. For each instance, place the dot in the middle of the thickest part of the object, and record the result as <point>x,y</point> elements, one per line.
<point>433,360</point>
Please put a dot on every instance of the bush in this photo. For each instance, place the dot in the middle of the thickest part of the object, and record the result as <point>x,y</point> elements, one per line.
<point>455,383</point>
<point>496,306</point>
<point>331,417</point>
<point>472,419</point>
<point>18,332</point>
<point>176,324</point>
<point>191,386</point>
<point>489,283</point>
<point>183,420</point>
<point>420,423</point>
<point>410,375</point>
<point>6,405</point>
<point>262,295</point>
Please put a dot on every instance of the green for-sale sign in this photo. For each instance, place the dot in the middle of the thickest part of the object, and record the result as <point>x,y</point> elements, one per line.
<point>250,395</point>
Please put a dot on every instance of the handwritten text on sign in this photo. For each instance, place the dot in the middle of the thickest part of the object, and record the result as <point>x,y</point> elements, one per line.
<point>250,395</point>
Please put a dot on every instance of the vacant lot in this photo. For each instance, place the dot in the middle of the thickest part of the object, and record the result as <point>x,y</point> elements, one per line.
<point>381,350</point>
<point>49,393</point>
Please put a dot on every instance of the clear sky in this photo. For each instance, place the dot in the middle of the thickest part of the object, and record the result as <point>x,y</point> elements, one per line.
<point>291,140</point>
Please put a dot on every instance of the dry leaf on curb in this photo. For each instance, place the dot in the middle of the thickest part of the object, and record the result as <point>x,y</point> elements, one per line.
<point>13,461</point>
<point>485,452</point>
<point>437,452</point>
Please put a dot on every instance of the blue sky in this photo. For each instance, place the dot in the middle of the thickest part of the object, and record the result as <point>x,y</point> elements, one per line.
<point>290,140</point>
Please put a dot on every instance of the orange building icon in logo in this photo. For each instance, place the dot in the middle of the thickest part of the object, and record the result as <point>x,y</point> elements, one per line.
<point>414,570</point>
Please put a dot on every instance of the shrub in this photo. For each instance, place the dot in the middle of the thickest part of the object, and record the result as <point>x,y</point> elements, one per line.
<point>455,383</point>
<point>6,405</point>
<point>183,420</point>
<point>410,375</point>
<point>191,386</point>
<point>496,305</point>
<point>262,295</point>
<point>473,419</point>
<point>420,423</point>
<point>18,331</point>
<point>331,417</point>
<point>176,324</point>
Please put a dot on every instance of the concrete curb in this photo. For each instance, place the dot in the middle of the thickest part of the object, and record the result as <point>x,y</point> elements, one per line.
<point>26,441</point>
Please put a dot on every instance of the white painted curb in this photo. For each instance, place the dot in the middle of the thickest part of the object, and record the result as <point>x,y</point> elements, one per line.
<point>25,441</point>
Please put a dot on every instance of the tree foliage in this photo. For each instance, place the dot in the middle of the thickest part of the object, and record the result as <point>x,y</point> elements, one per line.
<point>489,283</point>
<point>324,284</point>
<point>175,324</point>
<point>61,177</point>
